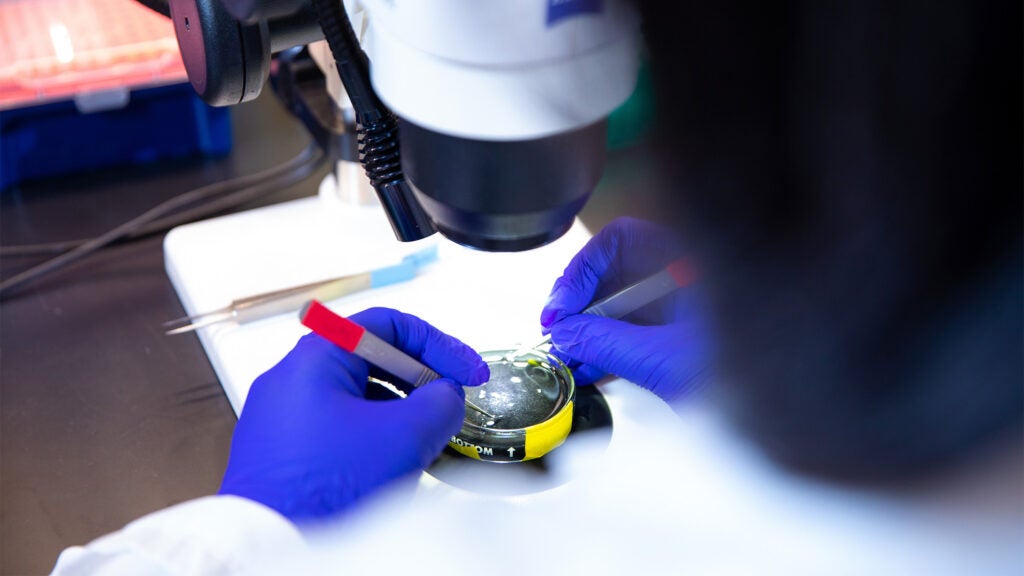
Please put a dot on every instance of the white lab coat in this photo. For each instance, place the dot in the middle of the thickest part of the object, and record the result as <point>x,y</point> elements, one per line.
<point>211,535</point>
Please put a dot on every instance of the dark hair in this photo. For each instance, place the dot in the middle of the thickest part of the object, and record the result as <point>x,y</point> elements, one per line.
<point>849,174</point>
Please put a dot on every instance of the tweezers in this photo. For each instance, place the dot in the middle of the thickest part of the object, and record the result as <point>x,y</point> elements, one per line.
<point>287,300</point>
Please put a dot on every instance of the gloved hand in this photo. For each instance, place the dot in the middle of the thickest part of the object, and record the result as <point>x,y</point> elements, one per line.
<point>663,346</point>
<point>308,443</point>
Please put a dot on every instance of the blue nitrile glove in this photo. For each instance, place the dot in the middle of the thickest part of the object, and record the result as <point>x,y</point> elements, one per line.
<point>663,346</point>
<point>308,443</point>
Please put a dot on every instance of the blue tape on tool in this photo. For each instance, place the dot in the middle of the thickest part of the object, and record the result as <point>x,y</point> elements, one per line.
<point>405,271</point>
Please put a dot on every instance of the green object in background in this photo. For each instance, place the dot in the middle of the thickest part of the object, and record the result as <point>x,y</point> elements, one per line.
<point>631,121</point>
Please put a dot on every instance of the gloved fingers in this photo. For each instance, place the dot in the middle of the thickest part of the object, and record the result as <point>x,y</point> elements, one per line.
<point>586,375</point>
<point>425,421</point>
<point>582,374</point>
<point>625,251</point>
<point>316,363</point>
<point>308,443</point>
<point>445,354</point>
<point>616,347</point>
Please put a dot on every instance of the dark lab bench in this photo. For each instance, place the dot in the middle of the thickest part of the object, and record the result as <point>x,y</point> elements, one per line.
<point>104,418</point>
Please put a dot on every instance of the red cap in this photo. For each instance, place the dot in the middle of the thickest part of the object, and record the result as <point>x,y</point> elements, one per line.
<point>337,329</point>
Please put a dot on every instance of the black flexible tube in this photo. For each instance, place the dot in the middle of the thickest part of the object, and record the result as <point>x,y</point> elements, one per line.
<point>377,129</point>
<point>352,63</point>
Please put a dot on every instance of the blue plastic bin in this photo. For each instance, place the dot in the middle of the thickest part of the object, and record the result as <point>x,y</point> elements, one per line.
<point>156,123</point>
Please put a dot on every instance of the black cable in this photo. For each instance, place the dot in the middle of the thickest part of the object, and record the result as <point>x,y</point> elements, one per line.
<point>41,249</point>
<point>205,210</point>
<point>255,184</point>
<point>352,63</point>
<point>376,127</point>
<point>210,208</point>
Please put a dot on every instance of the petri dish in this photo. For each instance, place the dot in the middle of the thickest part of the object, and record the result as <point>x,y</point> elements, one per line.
<point>532,395</point>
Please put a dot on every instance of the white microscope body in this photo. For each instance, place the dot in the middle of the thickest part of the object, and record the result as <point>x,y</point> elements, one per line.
<point>501,104</point>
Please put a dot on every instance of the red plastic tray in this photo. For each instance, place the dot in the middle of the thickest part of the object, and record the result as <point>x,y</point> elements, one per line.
<point>55,49</point>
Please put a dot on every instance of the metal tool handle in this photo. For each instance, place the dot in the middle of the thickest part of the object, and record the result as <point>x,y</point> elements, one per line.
<point>378,352</point>
<point>292,299</point>
<point>631,298</point>
<point>634,296</point>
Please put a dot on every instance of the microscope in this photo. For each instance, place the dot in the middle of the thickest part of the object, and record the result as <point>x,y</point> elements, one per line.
<point>484,121</point>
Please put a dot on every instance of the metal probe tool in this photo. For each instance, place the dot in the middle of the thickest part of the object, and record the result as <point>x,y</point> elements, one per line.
<point>290,299</point>
<point>352,337</point>
<point>675,275</point>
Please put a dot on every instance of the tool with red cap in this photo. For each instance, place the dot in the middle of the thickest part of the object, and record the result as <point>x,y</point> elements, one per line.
<point>352,337</point>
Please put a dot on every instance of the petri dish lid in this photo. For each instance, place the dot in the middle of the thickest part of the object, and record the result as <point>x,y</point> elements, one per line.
<point>522,392</point>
